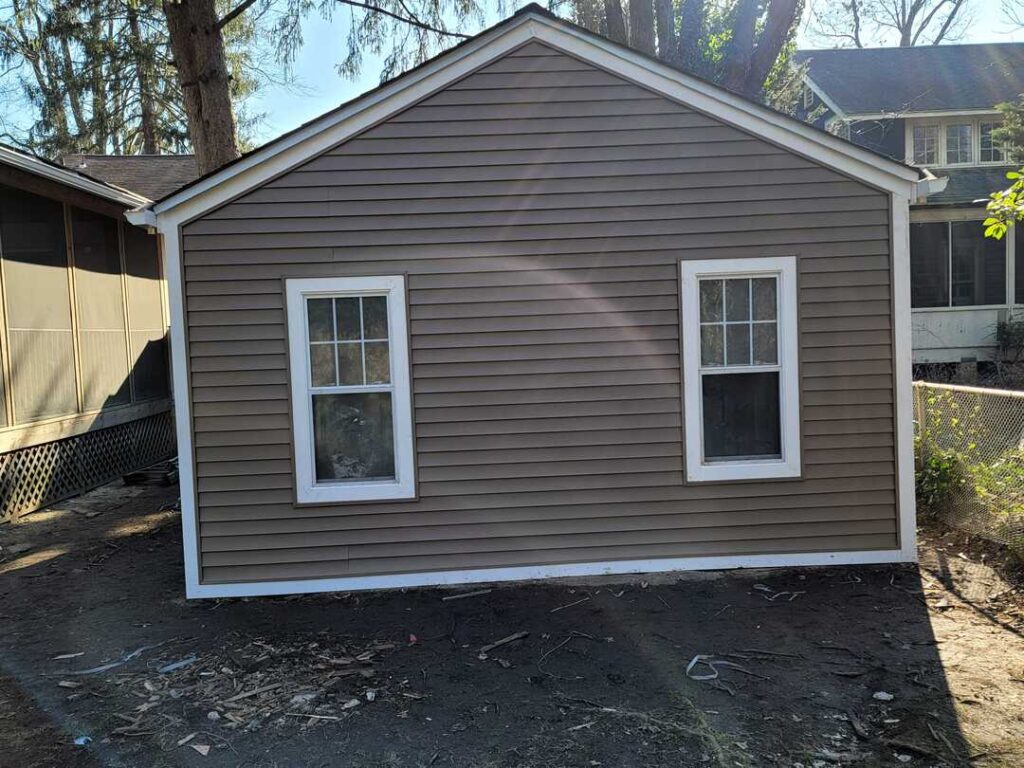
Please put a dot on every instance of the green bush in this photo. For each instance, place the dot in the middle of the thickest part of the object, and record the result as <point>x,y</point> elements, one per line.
<point>940,474</point>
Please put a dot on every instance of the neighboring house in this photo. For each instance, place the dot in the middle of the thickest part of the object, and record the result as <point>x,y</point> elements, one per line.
<point>83,361</point>
<point>934,107</point>
<point>434,335</point>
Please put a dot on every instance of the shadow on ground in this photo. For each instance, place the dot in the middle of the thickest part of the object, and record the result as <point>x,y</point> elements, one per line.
<point>815,667</point>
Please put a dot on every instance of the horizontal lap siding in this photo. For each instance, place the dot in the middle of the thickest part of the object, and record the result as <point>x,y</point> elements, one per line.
<point>539,208</point>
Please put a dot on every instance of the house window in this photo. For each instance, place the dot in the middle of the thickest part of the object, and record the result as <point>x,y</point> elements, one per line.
<point>990,151</point>
<point>958,143</point>
<point>953,264</point>
<point>926,144</point>
<point>741,388</point>
<point>808,97</point>
<point>351,402</point>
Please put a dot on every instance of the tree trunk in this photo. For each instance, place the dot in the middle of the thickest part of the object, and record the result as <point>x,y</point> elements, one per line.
<point>198,48</point>
<point>147,110</point>
<point>616,21</point>
<point>641,25</point>
<point>666,22</point>
<point>691,30</point>
<point>740,48</point>
<point>781,16</point>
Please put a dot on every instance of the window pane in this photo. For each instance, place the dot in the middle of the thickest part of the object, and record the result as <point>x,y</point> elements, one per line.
<point>926,140</point>
<point>321,365</point>
<point>375,317</point>
<point>737,299</point>
<point>378,364</point>
<point>350,363</point>
<point>929,265</point>
<point>765,302</point>
<point>958,143</point>
<point>711,301</point>
<point>766,348</point>
<point>741,416</point>
<point>321,320</point>
<point>990,151</point>
<point>712,345</point>
<point>353,437</point>
<point>347,314</point>
<point>979,266</point>
<point>737,344</point>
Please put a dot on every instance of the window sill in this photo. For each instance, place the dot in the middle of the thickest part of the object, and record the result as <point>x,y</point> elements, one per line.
<point>743,470</point>
<point>968,308</point>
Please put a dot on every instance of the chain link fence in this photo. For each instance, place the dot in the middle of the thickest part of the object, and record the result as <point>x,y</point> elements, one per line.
<point>969,455</point>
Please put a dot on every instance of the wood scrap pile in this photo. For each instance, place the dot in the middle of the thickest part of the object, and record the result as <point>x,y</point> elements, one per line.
<point>249,684</point>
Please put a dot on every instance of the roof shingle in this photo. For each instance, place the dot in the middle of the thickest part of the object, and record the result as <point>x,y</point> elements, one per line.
<point>153,176</point>
<point>919,79</point>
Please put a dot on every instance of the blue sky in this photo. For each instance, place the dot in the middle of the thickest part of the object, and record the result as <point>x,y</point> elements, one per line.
<point>322,88</point>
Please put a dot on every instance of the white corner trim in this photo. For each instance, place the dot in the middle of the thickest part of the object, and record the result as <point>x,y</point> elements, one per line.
<point>69,178</point>
<point>903,360</point>
<point>182,408</point>
<point>335,127</point>
<point>691,272</point>
<point>534,572</point>
<point>307,489</point>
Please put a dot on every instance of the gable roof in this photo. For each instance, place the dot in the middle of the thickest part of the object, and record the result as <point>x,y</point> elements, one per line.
<point>933,78</point>
<point>152,176</point>
<point>71,178</point>
<point>532,23</point>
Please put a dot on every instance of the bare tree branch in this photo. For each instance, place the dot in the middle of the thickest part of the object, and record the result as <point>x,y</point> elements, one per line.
<point>413,22</point>
<point>235,12</point>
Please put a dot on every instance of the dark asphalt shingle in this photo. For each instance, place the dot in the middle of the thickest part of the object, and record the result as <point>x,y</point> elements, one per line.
<point>926,78</point>
<point>153,176</point>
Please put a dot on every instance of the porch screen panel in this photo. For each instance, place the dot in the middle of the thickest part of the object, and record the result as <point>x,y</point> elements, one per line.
<point>37,295</point>
<point>100,305</point>
<point>978,266</point>
<point>929,265</point>
<point>145,315</point>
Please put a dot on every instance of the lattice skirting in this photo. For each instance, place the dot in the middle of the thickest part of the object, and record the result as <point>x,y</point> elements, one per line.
<point>33,477</point>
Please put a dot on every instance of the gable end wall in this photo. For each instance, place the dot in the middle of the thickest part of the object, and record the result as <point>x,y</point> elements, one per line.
<point>539,209</point>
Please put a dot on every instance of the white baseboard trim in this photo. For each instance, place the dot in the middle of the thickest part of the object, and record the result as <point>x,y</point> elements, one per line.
<point>530,572</point>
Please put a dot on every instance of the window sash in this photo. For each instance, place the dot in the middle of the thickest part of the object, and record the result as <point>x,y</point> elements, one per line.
<point>959,143</point>
<point>298,293</point>
<point>990,151</point>
<point>926,144</point>
<point>698,469</point>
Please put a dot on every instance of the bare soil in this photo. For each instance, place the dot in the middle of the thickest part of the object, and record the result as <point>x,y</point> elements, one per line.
<point>871,666</point>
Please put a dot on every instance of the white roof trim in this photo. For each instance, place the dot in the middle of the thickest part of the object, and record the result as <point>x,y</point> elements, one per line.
<point>335,127</point>
<point>910,114</point>
<point>826,99</point>
<point>69,178</point>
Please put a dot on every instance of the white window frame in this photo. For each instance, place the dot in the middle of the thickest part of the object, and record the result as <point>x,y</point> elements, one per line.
<point>788,466</point>
<point>995,147</point>
<point>307,489</point>
<point>924,127</point>
<point>942,125</point>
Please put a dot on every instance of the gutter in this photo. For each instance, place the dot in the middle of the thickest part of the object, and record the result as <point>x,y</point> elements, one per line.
<point>929,185</point>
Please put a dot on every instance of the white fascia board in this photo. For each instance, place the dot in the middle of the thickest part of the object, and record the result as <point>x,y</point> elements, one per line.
<point>335,127</point>
<point>537,572</point>
<point>69,178</point>
<point>910,114</point>
<point>839,114</point>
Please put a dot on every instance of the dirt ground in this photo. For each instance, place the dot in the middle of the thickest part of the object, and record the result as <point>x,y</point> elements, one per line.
<point>815,667</point>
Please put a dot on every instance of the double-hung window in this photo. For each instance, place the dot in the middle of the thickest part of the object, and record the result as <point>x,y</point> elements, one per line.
<point>990,151</point>
<point>351,403</point>
<point>740,369</point>
<point>959,143</point>
<point>926,144</point>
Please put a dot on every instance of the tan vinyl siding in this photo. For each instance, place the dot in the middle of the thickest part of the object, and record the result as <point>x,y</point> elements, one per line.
<point>539,209</point>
